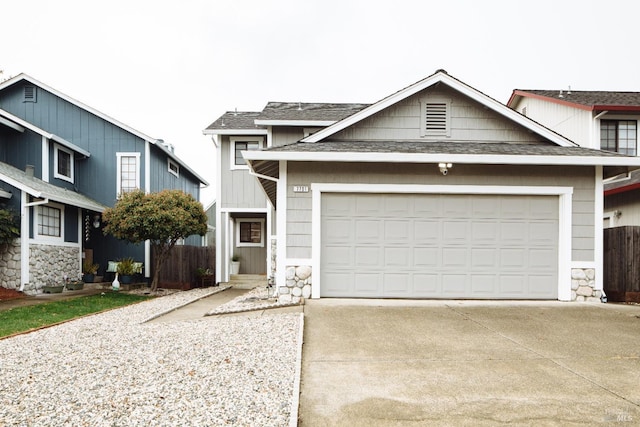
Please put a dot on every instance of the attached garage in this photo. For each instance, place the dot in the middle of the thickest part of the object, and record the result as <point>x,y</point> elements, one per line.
<point>439,246</point>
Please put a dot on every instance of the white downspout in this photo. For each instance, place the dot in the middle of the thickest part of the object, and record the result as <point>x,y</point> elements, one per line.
<point>147,189</point>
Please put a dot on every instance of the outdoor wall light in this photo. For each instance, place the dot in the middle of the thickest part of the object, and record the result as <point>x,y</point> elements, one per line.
<point>444,168</point>
<point>96,221</point>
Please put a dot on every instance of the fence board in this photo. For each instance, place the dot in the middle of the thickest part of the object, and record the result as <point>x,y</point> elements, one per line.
<point>621,264</point>
<point>179,270</point>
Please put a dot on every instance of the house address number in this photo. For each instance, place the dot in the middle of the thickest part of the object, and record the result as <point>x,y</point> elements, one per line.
<point>300,189</point>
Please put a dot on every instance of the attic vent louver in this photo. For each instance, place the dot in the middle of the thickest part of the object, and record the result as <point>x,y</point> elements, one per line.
<point>29,94</point>
<point>435,116</point>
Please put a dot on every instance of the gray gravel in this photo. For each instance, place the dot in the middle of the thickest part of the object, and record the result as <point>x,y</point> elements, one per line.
<point>111,369</point>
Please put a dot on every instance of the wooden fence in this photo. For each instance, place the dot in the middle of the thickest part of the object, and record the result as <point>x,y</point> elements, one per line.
<point>179,270</point>
<point>622,263</point>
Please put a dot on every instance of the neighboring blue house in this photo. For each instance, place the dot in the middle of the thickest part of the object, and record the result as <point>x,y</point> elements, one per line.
<point>61,164</point>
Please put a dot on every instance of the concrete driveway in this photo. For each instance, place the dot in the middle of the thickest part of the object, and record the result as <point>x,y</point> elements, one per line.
<point>404,363</point>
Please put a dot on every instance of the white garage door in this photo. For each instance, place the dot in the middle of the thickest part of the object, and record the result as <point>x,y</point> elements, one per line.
<point>439,246</point>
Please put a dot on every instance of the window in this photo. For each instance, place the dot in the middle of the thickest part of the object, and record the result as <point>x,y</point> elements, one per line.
<point>238,145</point>
<point>249,232</point>
<point>63,167</point>
<point>48,222</point>
<point>434,117</point>
<point>128,172</point>
<point>29,94</point>
<point>619,136</point>
<point>174,168</point>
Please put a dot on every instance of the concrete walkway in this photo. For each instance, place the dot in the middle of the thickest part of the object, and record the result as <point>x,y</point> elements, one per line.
<point>405,363</point>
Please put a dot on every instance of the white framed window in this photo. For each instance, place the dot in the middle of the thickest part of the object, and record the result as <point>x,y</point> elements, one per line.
<point>620,136</point>
<point>63,166</point>
<point>249,232</point>
<point>240,144</point>
<point>435,117</point>
<point>173,167</point>
<point>128,174</point>
<point>48,222</point>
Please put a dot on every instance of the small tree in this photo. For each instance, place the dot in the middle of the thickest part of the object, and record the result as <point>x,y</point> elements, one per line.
<point>162,218</point>
<point>9,227</point>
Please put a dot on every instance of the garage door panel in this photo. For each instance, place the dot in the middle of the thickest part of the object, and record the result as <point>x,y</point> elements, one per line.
<point>426,284</point>
<point>482,257</point>
<point>455,231</point>
<point>425,257</point>
<point>396,284</point>
<point>454,258</point>
<point>454,285</point>
<point>338,256</point>
<point>397,257</point>
<point>368,283</point>
<point>439,246</point>
<point>484,284</point>
<point>397,231</point>
<point>426,232</point>
<point>337,230</point>
<point>367,230</point>
<point>367,256</point>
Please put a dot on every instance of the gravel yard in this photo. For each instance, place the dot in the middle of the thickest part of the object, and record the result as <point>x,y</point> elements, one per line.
<point>111,369</point>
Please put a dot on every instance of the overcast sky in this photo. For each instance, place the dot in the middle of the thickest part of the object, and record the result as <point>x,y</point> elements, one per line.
<point>169,68</point>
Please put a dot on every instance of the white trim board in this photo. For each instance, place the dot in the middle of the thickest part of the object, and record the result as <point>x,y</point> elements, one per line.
<point>564,217</point>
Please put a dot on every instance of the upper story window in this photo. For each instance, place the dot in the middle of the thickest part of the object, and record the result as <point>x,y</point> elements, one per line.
<point>49,222</point>
<point>435,117</point>
<point>128,172</point>
<point>620,136</point>
<point>63,163</point>
<point>238,145</point>
<point>173,167</point>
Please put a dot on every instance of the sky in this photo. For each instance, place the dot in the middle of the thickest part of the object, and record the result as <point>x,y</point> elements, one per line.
<point>169,68</point>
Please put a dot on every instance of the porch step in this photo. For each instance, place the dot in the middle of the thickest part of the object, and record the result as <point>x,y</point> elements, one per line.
<point>247,281</point>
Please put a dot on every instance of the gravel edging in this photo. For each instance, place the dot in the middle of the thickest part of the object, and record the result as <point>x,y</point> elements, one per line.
<point>113,369</point>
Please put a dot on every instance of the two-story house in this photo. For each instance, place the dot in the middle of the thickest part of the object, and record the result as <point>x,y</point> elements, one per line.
<point>594,119</point>
<point>435,191</point>
<point>61,163</point>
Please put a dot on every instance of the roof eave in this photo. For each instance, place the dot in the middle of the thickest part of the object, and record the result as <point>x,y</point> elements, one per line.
<point>490,159</point>
<point>235,132</point>
<point>266,122</point>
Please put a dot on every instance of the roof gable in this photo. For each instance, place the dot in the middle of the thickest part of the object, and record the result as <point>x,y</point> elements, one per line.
<point>159,143</point>
<point>439,77</point>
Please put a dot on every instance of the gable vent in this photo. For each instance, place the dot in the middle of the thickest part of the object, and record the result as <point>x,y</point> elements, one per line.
<point>435,114</point>
<point>29,94</point>
<point>436,117</point>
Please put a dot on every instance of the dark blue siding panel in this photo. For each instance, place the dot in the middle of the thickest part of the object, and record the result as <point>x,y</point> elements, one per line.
<point>71,224</point>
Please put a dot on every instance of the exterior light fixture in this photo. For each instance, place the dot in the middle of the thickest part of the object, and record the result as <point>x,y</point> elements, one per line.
<point>444,168</point>
<point>96,221</point>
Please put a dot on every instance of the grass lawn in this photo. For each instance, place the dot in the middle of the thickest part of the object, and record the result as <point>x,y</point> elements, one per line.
<point>22,319</point>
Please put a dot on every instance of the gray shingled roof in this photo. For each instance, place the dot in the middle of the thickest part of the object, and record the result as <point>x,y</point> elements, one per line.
<point>478,148</point>
<point>633,182</point>
<point>35,186</point>
<point>236,120</point>
<point>308,111</point>
<point>591,98</point>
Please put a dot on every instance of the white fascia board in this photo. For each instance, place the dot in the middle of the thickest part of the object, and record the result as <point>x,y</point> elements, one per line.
<point>42,132</point>
<point>294,122</point>
<point>234,131</point>
<point>11,124</point>
<point>454,84</point>
<point>488,159</point>
<point>78,203</point>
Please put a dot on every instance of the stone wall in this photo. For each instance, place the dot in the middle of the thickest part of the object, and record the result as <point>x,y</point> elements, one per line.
<point>297,285</point>
<point>49,264</point>
<point>10,265</point>
<point>583,285</point>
